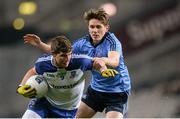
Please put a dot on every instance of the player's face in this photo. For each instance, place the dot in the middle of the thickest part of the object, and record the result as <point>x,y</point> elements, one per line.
<point>62,59</point>
<point>97,30</point>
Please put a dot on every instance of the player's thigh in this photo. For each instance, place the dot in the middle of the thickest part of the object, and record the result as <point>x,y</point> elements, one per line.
<point>30,114</point>
<point>116,104</point>
<point>84,111</point>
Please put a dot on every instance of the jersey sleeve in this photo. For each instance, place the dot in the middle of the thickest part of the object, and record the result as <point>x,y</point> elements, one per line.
<point>115,44</point>
<point>84,62</point>
<point>40,69</point>
<point>76,46</point>
<point>43,64</point>
<point>87,64</point>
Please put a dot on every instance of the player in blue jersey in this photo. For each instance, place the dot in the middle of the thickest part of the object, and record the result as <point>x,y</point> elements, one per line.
<point>110,94</point>
<point>63,73</point>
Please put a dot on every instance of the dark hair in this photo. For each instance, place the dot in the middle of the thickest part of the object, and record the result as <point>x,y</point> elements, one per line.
<point>98,14</point>
<point>60,44</point>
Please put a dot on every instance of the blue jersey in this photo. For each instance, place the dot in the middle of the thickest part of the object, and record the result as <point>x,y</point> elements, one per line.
<point>65,84</point>
<point>119,83</point>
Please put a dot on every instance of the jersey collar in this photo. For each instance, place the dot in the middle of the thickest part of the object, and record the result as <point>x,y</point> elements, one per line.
<point>91,40</point>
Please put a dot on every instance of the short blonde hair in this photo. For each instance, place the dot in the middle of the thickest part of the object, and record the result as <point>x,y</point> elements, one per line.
<point>98,14</point>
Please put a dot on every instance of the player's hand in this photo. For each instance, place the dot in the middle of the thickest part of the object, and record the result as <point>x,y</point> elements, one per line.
<point>109,73</point>
<point>26,91</point>
<point>32,39</point>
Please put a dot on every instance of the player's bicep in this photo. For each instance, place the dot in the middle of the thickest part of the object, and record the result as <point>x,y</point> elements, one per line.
<point>114,55</point>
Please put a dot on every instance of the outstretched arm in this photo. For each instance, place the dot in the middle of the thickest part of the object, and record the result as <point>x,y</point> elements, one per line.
<point>35,41</point>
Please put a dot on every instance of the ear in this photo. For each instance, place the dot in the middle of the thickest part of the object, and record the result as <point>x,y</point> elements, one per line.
<point>54,55</point>
<point>107,27</point>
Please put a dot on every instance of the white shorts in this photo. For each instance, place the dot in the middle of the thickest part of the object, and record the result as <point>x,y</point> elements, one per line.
<point>30,114</point>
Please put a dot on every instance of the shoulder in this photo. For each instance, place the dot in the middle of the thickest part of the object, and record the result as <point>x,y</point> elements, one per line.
<point>44,58</point>
<point>112,38</point>
<point>79,44</point>
<point>81,40</point>
<point>44,64</point>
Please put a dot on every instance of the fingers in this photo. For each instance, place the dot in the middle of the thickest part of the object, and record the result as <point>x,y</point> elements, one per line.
<point>115,72</point>
<point>109,73</point>
<point>21,90</point>
<point>27,91</point>
<point>105,75</point>
<point>30,37</point>
<point>30,94</point>
<point>112,73</point>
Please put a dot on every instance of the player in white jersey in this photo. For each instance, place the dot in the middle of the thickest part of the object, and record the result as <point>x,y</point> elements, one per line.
<point>63,72</point>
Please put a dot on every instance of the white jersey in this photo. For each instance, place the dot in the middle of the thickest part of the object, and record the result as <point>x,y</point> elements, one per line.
<point>65,85</point>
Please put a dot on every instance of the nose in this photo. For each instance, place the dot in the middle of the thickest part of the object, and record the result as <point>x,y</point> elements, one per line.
<point>66,58</point>
<point>94,30</point>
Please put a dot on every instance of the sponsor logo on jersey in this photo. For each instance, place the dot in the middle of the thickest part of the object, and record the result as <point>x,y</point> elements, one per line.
<point>65,86</point>
<point>39,79</point>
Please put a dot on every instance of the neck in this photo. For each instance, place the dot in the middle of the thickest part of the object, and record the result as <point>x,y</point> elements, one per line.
<point>94,43</point>
<point>55,63</point>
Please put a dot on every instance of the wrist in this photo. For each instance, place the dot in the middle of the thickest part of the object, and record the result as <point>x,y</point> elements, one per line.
<point>20,85</point>
<point>105,59</point>
<point>102,69</point>
<point>40,44</point>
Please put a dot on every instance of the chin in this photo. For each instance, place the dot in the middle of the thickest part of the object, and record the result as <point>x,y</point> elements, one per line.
<point>65,65</point>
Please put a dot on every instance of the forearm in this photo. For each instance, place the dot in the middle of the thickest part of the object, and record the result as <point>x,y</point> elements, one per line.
<point>29,73</point>
<point>112,62</point>
<point>35,41</point>
<point>44,47</point>
<point>101,68</point>
<point>99,65</point>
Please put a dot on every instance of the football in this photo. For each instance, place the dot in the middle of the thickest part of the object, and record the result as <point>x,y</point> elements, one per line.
<point>39,83</point>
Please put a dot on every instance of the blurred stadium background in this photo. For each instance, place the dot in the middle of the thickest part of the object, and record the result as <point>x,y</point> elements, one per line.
<point>148,30</point>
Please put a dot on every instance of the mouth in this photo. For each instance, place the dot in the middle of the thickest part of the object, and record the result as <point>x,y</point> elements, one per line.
<point>95,36</point>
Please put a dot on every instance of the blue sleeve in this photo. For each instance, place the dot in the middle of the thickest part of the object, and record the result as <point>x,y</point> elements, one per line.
<point>87,64</point>
<point>83,62</point>
<point>43,64</point>
<point>76,46</point>
<point>40,67</point>
<point>115,44</point>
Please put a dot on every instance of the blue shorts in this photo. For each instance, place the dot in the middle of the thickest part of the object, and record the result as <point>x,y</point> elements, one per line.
<point>44,109</point>
<point>99,101</point>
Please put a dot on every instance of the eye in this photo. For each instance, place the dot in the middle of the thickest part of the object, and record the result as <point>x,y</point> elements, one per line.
<point>91,26</point>
<point>98,26</point>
